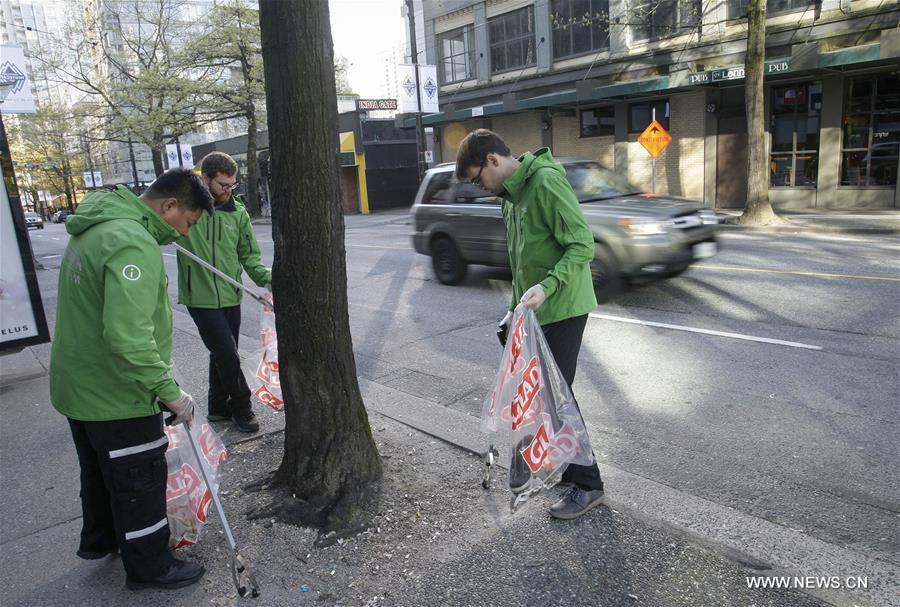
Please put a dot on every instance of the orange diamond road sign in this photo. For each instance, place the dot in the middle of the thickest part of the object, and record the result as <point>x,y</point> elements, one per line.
<point>655,138</point>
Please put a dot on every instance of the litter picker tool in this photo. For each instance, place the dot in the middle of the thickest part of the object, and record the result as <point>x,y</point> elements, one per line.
<point>244,580</point>
<point>260,299</point>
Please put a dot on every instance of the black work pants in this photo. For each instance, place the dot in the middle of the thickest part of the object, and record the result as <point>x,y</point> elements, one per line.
<point>123,492</point>
<point>220,329</point>
<point>564,338</point>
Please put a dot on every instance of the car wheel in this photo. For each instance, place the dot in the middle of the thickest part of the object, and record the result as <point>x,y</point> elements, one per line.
<point>673,271</point>
<point>605,273</point>
<point>448,264</point>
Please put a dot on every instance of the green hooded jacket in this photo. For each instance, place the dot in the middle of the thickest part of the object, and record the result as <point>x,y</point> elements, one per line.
<point>549,240</point>
<point>112,345</point>
<point>225,240</point>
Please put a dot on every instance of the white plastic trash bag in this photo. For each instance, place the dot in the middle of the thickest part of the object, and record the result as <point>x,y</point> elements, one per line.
<point>187,498</point>
<point>532,403</point>
<point>265,375</point>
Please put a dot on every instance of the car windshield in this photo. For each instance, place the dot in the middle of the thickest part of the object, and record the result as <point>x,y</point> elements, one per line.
<point>591,181</point>
<point>31,215</point>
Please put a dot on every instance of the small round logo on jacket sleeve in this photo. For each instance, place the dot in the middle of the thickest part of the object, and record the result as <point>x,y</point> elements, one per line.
<point>131,272</point>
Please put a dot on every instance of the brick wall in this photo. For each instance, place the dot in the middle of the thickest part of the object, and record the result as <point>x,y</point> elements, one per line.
<point>567,143</point>
<point>521,132</point>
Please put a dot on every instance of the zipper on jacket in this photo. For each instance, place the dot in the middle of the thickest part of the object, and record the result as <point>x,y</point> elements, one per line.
<point>215,278</point>
<point>189,279</point>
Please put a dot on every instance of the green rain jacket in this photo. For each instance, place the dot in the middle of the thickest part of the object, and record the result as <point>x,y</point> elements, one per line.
<point>113,340</point>
<point>549,240</point>
<point>227,242</point>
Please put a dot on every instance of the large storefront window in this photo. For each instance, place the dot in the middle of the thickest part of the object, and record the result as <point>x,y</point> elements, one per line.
<point>457,54</point>
<point>871,130</point>
<point>579,26</point>
<point>794,126</point>
<point>656,19</point>
<point>512,40</point>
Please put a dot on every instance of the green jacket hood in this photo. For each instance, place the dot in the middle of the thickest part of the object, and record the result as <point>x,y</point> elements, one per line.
<point>121,203</point>
<point>529,165</point>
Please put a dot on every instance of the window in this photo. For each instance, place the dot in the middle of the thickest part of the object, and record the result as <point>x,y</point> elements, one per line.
<point>597,122</point>
<point>469,193</point>
<point>794,127</point>
<point>871,130</point>
<point>579,26</point>
<point>640,115</point>
<point>737,9</point>
<point>656,19</point>
<point>457,49</point>
<point>438,190</point>
<point>512,40</point>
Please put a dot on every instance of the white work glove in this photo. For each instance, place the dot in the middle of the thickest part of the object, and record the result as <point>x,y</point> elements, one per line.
<point>506,320</point>
<point>534,297</point>
<point>269,287</point>
<point>183,408</point>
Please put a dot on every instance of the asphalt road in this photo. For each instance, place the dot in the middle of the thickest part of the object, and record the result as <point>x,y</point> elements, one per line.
<point>765,379</point>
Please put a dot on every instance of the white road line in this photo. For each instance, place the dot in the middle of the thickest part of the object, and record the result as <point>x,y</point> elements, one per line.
<point>49,256</point>
<point>660,325</point>
<point>170,254</point>
<point>54,238</point>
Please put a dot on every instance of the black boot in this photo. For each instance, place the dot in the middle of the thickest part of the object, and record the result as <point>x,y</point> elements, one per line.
<point>178,575</point>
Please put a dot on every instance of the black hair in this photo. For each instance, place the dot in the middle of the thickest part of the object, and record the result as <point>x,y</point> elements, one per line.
<point>184,186</point>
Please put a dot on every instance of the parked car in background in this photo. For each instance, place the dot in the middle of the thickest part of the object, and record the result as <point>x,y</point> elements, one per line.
<point>33,220</point>
<point>60,216</point>
<point>635,234</point>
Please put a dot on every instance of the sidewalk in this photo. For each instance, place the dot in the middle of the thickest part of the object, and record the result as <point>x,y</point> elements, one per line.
<point>826,222</point>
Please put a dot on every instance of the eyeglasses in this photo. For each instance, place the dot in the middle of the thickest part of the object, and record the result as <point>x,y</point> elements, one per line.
<point>477,179</point>
<point>228,187</point>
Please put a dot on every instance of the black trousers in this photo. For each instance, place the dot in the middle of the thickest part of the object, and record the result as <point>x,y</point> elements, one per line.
<point>220,329</point>
<point>564,338</point>
<point>123,492</point>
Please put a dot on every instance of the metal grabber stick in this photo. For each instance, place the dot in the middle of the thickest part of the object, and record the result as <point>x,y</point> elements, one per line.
<point>240,568</point>
<point>261,300</point>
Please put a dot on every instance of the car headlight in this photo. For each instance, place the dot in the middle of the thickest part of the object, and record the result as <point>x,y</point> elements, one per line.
<point>642,227</point>
<point>709,217</point>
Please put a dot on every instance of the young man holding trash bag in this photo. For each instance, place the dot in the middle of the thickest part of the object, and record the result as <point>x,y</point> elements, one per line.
<point>110,369</point>
<point>550,250</point>
<point>226,241</point>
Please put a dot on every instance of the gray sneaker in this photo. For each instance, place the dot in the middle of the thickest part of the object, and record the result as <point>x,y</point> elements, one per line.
<point>575,502</point>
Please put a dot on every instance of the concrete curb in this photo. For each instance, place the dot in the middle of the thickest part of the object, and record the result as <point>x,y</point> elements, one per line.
<point>20,366</point>
<point>800,229</point>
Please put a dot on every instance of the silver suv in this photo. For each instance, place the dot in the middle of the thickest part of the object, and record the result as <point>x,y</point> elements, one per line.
<point>636,234</point>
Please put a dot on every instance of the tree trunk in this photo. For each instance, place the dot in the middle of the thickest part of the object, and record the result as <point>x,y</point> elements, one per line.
<point>253,206</point>
<point>330,460</point>
<point>158,166</point>
<point>759,209</point>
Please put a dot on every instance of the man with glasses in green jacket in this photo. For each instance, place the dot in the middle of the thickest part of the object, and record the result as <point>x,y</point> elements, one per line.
<point>226,241</point>
<point>550,247</point>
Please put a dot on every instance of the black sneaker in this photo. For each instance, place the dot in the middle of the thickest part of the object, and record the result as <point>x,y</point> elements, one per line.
<point>575,502</point>
<point>178,575</point>
<point>246,422</point>
<point>217,417</point>
<point>93,555</point>
<point>519,472</point>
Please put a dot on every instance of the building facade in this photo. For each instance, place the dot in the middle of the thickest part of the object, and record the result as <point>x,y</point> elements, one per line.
<point>585,77</point>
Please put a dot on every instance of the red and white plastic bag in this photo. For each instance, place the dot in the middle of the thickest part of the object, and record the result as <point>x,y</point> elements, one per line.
<point>265,373</point>
<point>533,407</point>
<point>187,498</point>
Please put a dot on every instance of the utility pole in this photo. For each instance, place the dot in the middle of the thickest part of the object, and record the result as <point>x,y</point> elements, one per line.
<point>414,57</point>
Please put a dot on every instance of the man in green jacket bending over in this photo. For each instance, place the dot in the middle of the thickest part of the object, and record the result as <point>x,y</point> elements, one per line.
<point>226,241</point>
<point>550,250</point>
<point>110,366</point>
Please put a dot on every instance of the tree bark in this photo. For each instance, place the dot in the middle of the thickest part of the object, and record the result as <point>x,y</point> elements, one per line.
<point>759,209</point>
<point>330,460</point>
<point>158,166</point>
<point>253,206</point>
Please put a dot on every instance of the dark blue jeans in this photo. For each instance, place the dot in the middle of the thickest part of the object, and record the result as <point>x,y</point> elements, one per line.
<point>564,338</point>
<point>220,329</point>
